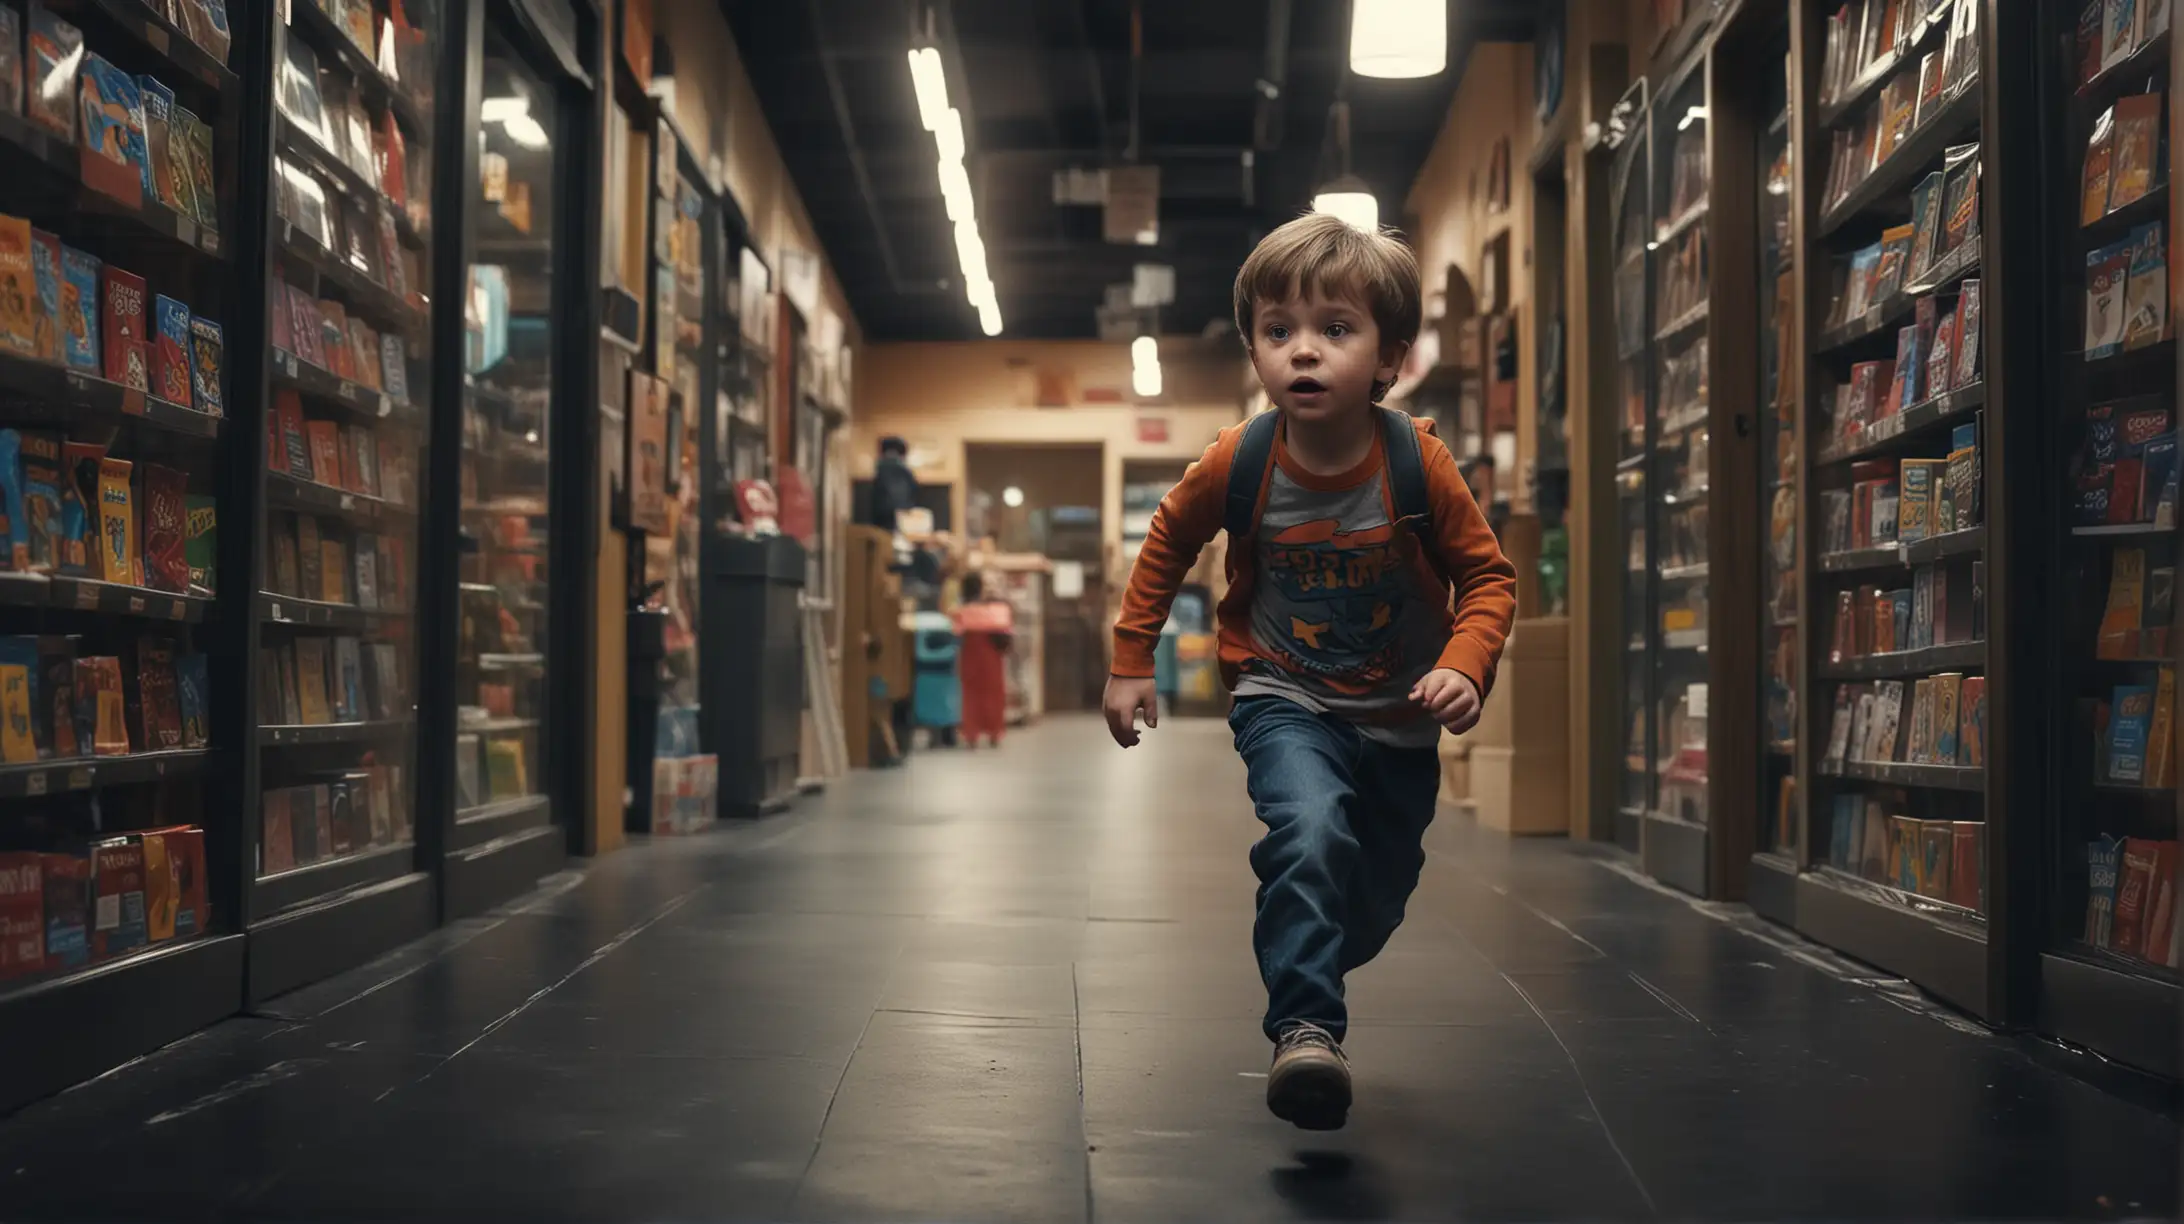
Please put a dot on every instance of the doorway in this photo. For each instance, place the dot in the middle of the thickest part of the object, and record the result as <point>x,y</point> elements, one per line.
<point>1049,500</point>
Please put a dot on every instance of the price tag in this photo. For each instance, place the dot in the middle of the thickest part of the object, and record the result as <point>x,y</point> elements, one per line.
<point>132,401</point>
<point>178,609</point>
<point>288,364</point>
<point>274,610</point>
<point>156,35</point>
<point>386,406</point>
<point>35,783</point>
<point>348,502</point>
<point>87,595</point>
<point>136,605</point>
<point>348,390</point>
<point>185,229</point>
<point>80,777</point>
<point>208,241</point>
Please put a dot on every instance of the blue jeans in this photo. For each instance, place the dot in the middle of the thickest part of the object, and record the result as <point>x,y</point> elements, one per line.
<point>1346,821</point>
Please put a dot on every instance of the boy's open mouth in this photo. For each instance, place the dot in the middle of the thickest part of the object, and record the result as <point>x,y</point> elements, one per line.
<point>1307,386</point>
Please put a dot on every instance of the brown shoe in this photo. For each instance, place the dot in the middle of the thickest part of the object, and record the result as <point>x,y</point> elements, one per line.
<point>1309,1085</point>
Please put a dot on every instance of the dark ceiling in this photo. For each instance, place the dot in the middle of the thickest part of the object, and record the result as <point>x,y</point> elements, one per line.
<point>1049,85</point>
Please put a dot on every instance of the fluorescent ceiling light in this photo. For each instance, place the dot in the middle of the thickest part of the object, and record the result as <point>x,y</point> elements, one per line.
<point>980,293</point>
<point>1144,351</point>
<point>931,85</point>
<point>1398,38</point>
<point>1012,497</point>
<point>955,191</point>
<point>970,252</point>
<point>948,135</point>
<point>1145,381</point>
<point>989,315</point>
<point>500,110</point>
<point>525,131</point>
<point>1348,199</point>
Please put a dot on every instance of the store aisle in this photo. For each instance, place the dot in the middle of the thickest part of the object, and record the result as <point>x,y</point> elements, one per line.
<point>1017,986</point>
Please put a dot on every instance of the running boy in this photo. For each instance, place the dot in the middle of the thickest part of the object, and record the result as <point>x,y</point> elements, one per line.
<point>1349,528</point>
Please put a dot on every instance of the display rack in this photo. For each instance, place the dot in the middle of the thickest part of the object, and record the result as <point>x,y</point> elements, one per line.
<point>119,842</point>
<point>2110,944</point>
<point>1771,879</point>
<point>349,388</point>
<point>1891,709</point>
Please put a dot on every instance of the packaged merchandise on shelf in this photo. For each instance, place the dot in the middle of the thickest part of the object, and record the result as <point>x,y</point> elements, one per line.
<point>79,535</point>
<point>2106,270</point>
<point>42,481</point>
<point>193,695</point>
<point>80,309</point>
<point>117,889</point>
<point>2146,295</point>
<point>19,700</point>
<point>118,560</point>
<point>166,175</point>
<point>206,24</point>
<point>166,529</point>
<point>113,129</point>
<point>1965,334</point>
<point>208,365</point>
<point>2099,168</point>
<point>46,317</point>
<point>18,287</point>
<point>296,93</point>
<point>154,701</point>
<point>22,914</point>
<point>196,145</point>
<point>172,371</point>
<point>56,55</point>
<point>310,557</point>
<point>2130,723</point>
<point>123,333</point>
<point>67,879</point>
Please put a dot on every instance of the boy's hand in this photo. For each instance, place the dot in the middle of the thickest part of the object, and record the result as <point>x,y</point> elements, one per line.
<point>1125,697</point>
<point>1450,697</point>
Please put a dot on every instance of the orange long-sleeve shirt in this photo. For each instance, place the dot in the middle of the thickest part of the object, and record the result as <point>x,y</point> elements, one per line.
<point>1333,603</point>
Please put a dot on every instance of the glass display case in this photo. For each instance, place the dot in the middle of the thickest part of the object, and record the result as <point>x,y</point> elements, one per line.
<point>1778,801</point>
<point>1633,479</point>
<point>350,392</point>
<point>2113,853</point>
<point>1680,502</point>
<point>505,645</point>
<point>1897,720</point>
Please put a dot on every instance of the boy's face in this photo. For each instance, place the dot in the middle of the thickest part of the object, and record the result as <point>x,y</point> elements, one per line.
<point>1318,356</point>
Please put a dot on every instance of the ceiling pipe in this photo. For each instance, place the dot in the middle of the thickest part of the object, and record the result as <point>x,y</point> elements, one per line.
<point>1093,72</point>
<point>840,100</point>
<point>1137,72</point>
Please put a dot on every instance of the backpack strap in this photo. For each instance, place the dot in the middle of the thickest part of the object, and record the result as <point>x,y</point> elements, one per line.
<point>1247,474</point>
<point>1406,470</point>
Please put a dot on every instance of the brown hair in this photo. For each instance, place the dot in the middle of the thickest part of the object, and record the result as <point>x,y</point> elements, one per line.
<point>1318,251</point>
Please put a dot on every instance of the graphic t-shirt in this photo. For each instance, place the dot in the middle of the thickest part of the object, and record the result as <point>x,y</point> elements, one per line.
<point>1342,620</point>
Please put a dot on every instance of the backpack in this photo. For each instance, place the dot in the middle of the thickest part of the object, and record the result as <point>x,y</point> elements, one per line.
<point>1255,456</point>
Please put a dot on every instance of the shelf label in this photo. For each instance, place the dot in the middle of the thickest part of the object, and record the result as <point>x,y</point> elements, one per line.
<point>275,612</point>
<point>35,783</point>
<point>136,605</point>
<point>80,777</point>
<point>348,390</point>
<point>156,35</point>
<point>87,596</point>
<point>208,241</point>
<point>132,401</point>
<point>386,406</point>
<point>185,229</point>
<point>348,502</point>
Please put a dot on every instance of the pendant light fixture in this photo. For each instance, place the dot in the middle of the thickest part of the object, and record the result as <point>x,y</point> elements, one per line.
<point>1398,39</point>
<point>929,83</point>
<point>1347,197</point>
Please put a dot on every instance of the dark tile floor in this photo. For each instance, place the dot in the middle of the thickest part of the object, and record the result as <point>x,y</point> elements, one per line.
<point>1018,986</point>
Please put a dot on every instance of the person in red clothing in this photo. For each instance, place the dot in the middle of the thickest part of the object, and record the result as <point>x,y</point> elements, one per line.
<point>984,627</point>
<point>1367,607</point>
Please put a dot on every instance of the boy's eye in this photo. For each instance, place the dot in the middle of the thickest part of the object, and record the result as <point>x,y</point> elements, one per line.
<point>1336,331</point>
<point>1277,333</point>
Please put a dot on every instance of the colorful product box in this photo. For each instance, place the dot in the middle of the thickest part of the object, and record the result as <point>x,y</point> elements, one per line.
<point>113,129</point>
<point>42,480</point>
<point>117,553</point>
<point>67,910</point>
<point>127,362</point>
<point>18,288</point>
<point>208,363</point>
<point>166,529</point>
<point>171,369</point>
<point>22,915</point>
<point>117,891</point>
<point>56,56</point>
<point>79,310</point>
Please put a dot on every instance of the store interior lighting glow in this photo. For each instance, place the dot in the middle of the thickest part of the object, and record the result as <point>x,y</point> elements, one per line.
<point>931,84</point>
<point>513,114</point>
<point>1349,200</point>
<point>948,136</point>
<point>1012,497</point>
<point>1398,39</point>
<point>946,125</point>
<point>955,190</point>
<point>1145,367</point>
